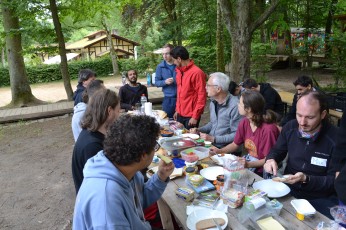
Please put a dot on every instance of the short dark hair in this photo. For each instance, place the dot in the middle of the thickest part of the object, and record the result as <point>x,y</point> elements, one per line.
<point>303,81</point>
<point>91,89</point>
<point>170,46</point>
<point>232,87</point>
<point>85,74</point>
<point>96,112</point>
<point>129,138</point>
<point>180,51</point>
<point>127,72</point>
<point>249,83</point>
<point>254,101</point>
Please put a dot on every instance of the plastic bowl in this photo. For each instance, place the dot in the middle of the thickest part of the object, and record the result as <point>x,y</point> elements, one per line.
<point>166,133</point>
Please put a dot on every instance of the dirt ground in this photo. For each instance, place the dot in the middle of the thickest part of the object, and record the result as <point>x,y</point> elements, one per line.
<point>37,190</point>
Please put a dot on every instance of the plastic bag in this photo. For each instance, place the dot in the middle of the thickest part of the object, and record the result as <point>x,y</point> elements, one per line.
<point>236,182</point>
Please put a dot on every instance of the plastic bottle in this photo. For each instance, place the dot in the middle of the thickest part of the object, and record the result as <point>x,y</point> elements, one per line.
<point>148,79</point>
<point>143,100</point>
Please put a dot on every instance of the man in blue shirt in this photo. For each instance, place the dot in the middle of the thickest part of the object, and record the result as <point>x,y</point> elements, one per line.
<point>165,78</point>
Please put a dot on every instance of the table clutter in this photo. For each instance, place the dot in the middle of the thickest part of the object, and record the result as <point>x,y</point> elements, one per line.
<point>212,194</point>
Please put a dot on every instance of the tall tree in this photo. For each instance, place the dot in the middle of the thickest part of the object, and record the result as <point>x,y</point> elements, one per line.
<point>20,88</point>
<point>62,50</point>
<point>241,25</point>
<point>220,61</point>
<point>112,52</point>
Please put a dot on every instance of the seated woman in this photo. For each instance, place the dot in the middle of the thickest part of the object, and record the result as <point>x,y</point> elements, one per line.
<point>256,131</point>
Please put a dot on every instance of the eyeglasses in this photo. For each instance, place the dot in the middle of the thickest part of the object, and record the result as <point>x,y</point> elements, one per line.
<point>210,85</point>
<point>157,146</point>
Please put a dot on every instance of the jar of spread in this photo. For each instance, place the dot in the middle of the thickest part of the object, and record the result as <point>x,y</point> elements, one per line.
<point>190,170</point>
<point>219,182</point>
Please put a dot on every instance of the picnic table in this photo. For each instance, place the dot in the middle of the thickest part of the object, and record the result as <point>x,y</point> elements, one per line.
<point>169,202</point>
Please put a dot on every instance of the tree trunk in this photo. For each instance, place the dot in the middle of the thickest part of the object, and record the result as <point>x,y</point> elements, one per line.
<point>237,17</point>
<point>62,50</point>
<point>112,51</point>
<point>220,62</point>
<point>328,29</point>
<point>20,88</point>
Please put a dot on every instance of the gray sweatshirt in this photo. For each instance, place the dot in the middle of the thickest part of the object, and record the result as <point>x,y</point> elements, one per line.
<point>224,124</point>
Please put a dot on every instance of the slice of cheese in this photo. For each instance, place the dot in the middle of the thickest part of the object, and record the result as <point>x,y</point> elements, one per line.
<point>269,224</point>
<point>167,160</point>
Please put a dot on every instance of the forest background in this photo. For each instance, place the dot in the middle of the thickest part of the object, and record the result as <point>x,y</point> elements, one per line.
<point>233,33</point>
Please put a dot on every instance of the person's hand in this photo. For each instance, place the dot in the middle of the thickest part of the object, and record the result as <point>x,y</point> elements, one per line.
<point>169,81</point>
<point>214,150</point>
<point>175,116</point>
<point>243,161</point>
<point>192,122</point>
<point>299,177</point>
<point>207,137</point>
<point>271,167</point>
<point>193,130</point>
<point>165,170</point>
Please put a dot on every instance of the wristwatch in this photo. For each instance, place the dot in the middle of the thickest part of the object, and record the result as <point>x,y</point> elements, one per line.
<point>307,179</point>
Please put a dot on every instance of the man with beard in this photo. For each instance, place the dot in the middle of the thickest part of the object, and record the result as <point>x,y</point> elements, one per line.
<point>191,93</point>
<point>131,93</point>
<point>165,78</point>
<point>309,143</point>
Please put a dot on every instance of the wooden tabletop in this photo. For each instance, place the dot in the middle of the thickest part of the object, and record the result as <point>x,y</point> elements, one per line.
<point>177,206</point>
<point>287,97</point>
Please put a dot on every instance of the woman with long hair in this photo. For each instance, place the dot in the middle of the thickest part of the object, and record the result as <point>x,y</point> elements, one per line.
<point>257,131</point>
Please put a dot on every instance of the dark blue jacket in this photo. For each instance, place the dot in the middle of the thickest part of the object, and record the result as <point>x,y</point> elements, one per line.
<point>163,72</point>
<point>301,155</point>
<point>77,96</point>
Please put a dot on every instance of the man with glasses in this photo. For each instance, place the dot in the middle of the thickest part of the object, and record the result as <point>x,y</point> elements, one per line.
<point>113,194</point>
<point>165,78</point>
<point>191,93</point>
<point>224,115</point>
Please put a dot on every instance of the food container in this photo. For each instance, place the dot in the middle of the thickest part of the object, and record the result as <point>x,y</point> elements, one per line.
<point>303,208</point>
<point>207,144</point>
<point>189,170</point>
<point>274,205</point>
<point>185,193</point>
<point>195,180</point>
<point>201,152</point>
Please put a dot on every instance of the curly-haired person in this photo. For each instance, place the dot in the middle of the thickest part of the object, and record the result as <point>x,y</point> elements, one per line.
<point>113,193</point>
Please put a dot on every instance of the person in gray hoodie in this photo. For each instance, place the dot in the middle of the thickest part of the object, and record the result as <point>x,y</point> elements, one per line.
<point>79,109</point>
<point>224,115</point>
<point>113,193</point>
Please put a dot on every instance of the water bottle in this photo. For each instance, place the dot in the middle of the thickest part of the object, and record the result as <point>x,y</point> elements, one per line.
<point>148,79</point>
<point>143,100</point>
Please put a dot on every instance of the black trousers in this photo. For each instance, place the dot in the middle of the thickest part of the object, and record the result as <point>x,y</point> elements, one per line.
<point>185,122</point>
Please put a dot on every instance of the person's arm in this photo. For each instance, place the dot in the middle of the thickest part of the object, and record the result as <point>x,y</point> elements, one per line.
<point>159,81</point>
<point>200,82</point>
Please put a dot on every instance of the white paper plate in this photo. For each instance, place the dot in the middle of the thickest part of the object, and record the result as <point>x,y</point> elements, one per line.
<point>205,213</point>
<point>303,206</point>
<point>211,173</point>
<point>220,160</point>
<point>272,188</point>
<point>191,135</point>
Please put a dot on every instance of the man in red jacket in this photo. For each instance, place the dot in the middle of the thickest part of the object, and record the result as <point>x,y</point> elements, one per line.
<point>191,92</point>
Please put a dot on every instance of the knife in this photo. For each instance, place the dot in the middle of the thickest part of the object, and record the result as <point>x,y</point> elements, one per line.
<point>217,225</point>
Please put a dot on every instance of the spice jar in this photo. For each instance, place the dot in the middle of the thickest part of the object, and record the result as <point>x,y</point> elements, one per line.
<point>219,182</point>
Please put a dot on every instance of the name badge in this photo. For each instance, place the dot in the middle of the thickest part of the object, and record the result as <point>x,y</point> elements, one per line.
<point>319,161</point>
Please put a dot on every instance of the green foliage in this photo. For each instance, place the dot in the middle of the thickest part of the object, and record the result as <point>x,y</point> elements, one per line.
<point>204,58</point>
<point>142,65</point>
<point>338,56</point>
<point>49,73</point>
<point>260,64</point>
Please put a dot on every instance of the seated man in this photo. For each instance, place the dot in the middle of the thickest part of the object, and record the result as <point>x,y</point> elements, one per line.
<point>113,193</point>
<point>79,109</point>
<point>131,93</point>
<point>224,115</point>
<point>84,78</point>
<point>271,96</point>
<point>302,84</point>
<point>309,143</point>
<point>102,111</point>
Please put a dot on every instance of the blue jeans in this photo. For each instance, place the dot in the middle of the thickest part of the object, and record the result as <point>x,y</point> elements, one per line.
<point>168,105</point>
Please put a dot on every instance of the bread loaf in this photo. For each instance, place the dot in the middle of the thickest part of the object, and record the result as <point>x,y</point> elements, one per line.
<point>209,223</point>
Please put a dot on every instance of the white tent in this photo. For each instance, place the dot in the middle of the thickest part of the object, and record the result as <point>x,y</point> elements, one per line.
<point>56,59</point>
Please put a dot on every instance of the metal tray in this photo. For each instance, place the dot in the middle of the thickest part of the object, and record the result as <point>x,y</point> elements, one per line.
<point>176,143</point>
